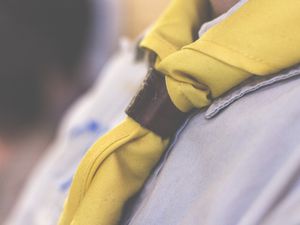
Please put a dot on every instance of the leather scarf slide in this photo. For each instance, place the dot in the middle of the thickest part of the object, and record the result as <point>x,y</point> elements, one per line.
<point>261,38</point>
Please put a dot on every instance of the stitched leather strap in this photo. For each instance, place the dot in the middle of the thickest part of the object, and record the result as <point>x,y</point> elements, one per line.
<point>153,108</point>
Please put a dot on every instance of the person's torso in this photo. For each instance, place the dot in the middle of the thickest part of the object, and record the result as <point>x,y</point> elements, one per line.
<point>238,162</point>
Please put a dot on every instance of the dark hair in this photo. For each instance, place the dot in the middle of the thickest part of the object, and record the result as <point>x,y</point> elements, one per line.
<point>36,37</point>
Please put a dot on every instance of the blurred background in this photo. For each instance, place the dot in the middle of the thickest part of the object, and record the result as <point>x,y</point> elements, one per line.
<point>48,63</point>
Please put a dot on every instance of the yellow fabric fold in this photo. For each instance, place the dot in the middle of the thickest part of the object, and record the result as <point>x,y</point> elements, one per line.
<point>261,38</point>
<point>113,170</point>
<point>177,27</point>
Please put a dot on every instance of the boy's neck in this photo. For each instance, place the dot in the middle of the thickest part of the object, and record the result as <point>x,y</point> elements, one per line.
<point>221,6</point>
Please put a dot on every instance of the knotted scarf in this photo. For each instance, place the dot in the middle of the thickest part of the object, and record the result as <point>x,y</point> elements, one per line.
<point>261,38</point>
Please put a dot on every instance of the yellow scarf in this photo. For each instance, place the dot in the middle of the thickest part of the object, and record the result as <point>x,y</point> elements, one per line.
<point>261,38</point>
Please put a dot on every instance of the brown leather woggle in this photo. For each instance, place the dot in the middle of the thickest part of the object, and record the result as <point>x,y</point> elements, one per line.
<point>152,107</point>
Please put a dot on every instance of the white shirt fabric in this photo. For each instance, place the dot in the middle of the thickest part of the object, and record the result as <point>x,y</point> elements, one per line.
<point>240,167</point>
